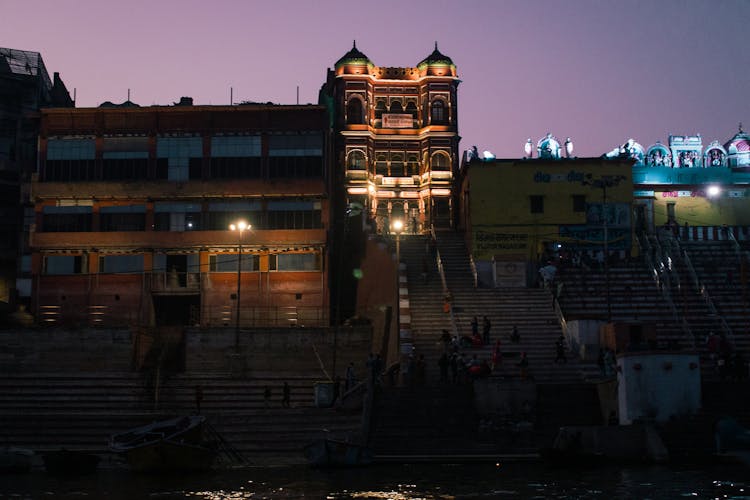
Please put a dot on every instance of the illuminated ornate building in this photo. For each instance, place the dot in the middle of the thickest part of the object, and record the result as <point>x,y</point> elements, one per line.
<point>682,183</point>
<point>397,138</point>
<point>133,207</point>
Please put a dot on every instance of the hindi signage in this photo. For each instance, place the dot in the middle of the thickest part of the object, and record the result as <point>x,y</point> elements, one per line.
<point>392,120</point>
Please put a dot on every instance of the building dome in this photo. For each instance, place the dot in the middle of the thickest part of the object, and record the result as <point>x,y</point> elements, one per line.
<point>354,62</point>
<point>738,149</point>
<point>740,143</point>
<point>658,155</point>
<point>437,64</point>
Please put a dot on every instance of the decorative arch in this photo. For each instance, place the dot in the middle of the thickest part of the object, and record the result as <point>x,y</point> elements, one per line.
<point>355,110</point>
<point>356,160</point>
<point>440,161</point>
<point>396,106</point>
<point>658,155</point>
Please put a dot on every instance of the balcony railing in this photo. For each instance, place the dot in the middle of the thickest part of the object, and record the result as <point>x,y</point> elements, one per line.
<point>174,281</point>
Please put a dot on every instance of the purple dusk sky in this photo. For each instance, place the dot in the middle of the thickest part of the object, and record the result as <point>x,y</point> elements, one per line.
<point>593,70</point>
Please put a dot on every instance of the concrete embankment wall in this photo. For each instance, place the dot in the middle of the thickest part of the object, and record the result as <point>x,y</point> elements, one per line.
<point>115,350</point>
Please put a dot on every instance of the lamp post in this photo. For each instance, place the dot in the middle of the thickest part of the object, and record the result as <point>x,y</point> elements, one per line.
<point>604,182</point>
<point>238,226</point>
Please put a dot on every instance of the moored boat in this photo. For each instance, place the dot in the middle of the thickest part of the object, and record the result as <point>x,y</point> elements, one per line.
<point>327,452</point>
<point>171,445</point>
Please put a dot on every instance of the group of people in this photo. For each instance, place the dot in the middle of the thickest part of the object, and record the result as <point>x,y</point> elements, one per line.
<point>456,368</point>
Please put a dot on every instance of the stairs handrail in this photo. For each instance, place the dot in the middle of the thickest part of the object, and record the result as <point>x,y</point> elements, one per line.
<point>703,291</point>
<point>439,261</point>
<point>668,243</point>
<point>473,266</point>
<point>645,248</point>
<point>561,318</point>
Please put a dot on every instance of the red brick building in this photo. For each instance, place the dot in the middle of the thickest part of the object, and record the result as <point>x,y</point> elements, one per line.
<point>133,207</point>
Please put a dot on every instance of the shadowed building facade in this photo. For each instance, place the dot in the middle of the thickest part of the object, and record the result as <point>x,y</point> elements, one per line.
<point>25,87</point>
<point>132,209</point>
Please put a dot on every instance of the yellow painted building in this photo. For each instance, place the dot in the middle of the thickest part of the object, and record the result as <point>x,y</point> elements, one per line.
<point>513,211</point>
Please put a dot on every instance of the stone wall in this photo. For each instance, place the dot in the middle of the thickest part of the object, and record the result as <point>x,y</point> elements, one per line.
<point>60,350</point>
<point>277,349</point>
<point>113,350</point>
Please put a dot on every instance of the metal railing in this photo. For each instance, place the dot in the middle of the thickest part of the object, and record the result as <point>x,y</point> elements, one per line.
<point>646,250</point>
<point>700,288</point>
<point>473,266</point>
<point>174,281</point>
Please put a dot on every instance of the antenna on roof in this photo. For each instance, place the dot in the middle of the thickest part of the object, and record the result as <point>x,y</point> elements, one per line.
<point>74,96</point>
<point>741,127</point>
<point>297,95</point>
<point>354,46</point>
<point>435,44</point>
<point>231,96</point>
<point>128,94</point>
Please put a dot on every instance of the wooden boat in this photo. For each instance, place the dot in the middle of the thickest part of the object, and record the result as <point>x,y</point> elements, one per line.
<point>70,462</point>
<point>15,460</point>
<point>327,452</point>
<point>173,445</point>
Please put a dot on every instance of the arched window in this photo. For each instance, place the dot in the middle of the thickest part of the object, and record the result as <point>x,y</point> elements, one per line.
<point>379,109</point>
<point>354,114</point>
<point>397,165</point>
<point>356,160</point>
<point>411,108</point>
<point>438,112</point>
<point>396,107</point>
<point>381,165</point>
<point>440,161</point>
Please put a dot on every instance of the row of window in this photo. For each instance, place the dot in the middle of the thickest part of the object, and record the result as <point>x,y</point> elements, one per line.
<point>219,263</point>
<point>182,169</point>
<point>536,203</point>
<point>355,113</point>
<point>394,165</point>
<point>214,221</point>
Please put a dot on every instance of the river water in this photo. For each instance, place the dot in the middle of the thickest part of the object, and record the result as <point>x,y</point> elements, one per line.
<point>397,482</point>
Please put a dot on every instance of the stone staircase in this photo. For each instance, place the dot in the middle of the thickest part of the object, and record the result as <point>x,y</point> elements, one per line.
<point>529,309</point>
<point>44,411</point>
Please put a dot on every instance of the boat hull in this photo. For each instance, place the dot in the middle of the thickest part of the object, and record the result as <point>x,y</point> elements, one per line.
<point>333,453</point>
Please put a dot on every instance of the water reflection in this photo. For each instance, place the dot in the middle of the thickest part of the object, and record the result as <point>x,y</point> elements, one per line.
<point>394,482</point>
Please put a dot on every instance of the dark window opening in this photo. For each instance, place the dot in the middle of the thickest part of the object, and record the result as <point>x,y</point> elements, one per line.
<point>66,223</point>
<point>579,203</point>
<point>122,222</point>
<point>295,166</point>
<point>537,204</point>
<point>69,170</point>
<point>354,114</point>
<point>235,168</point>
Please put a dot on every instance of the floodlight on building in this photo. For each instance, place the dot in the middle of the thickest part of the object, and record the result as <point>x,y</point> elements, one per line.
<point>713,191</point>
<point>488,155</point>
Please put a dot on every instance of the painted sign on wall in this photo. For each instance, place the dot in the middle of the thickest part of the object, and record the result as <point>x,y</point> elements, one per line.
<point>393,120</point>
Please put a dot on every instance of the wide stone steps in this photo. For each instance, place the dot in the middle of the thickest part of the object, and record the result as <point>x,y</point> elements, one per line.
<point>80,411</point>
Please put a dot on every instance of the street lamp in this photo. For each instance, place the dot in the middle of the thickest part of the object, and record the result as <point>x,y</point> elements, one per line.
<point>604,182</point>
<point>238,226</point>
